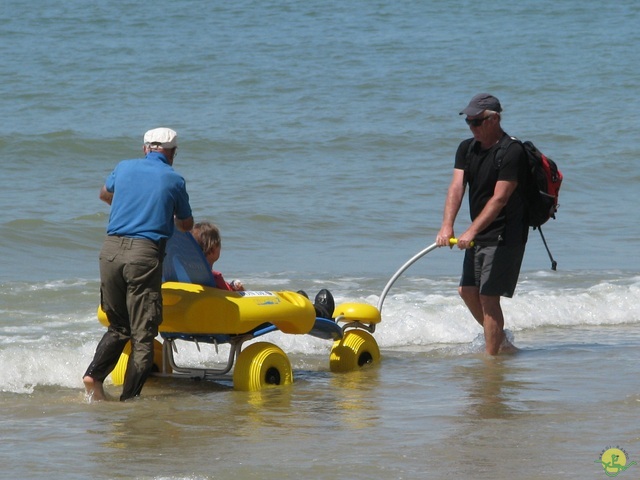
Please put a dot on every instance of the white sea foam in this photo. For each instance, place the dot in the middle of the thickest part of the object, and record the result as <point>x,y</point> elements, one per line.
<point>56,350</point>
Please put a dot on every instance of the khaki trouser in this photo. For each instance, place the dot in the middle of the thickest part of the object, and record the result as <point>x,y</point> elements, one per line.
<point>131,297</point>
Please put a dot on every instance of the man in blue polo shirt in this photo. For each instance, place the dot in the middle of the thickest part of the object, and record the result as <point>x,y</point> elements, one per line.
<point>148,199</point>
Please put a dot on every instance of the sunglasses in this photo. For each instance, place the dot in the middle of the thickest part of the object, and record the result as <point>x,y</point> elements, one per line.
<point>476,122</point>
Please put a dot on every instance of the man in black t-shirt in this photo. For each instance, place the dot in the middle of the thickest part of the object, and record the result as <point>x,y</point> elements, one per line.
<point>494,243</point>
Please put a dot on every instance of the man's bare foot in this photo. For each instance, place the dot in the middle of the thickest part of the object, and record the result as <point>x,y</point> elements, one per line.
<point>94,389</point>
<point>508,347</point>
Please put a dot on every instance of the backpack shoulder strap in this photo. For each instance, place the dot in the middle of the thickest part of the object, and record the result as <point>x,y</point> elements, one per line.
<point>470,148</point>
<point>505,143</point>
<point>467,159</point>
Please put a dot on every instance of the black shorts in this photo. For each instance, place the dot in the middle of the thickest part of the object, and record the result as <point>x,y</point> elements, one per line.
<point>494,270</point>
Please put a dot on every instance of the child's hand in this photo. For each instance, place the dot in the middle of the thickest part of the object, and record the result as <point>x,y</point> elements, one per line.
<point>237,286</point>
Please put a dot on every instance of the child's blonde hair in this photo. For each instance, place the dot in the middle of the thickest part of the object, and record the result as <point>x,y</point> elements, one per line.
<point>207,235</point>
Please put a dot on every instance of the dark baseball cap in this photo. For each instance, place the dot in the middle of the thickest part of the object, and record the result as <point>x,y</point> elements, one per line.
<point>480,103</point>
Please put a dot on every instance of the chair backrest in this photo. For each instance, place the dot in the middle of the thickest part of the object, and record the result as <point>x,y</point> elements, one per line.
<point>185,262</point>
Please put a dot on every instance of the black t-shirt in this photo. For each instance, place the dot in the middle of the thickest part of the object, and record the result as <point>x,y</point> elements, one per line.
<point>482,171</point>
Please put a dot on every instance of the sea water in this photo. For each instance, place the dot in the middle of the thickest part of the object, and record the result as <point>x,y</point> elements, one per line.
<point>320,137</point>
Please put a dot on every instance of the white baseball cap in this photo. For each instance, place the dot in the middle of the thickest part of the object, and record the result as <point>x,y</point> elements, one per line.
<point>161,137</point>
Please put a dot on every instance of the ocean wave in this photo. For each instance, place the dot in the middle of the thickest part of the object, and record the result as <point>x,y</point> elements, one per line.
<point>48,329</point>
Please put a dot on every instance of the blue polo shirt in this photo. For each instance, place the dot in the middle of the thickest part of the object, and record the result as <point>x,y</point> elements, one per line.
<point>147,192</point>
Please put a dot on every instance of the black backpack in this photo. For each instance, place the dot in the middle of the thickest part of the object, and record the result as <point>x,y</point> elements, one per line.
<point>542,190</point>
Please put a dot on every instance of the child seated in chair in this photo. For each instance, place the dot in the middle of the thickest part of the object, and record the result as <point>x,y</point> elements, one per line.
<point>207,235</point>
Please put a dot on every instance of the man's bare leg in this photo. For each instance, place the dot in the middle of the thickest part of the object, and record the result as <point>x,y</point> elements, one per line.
<point>94,389</point>
<point>471,297</point>
<point>488,313</point>
<point>493,323</point>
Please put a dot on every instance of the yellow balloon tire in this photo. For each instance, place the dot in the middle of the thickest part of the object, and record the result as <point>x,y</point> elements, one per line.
<point>117,375</point>
<point>261,365</point>
<point>355,350</point>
